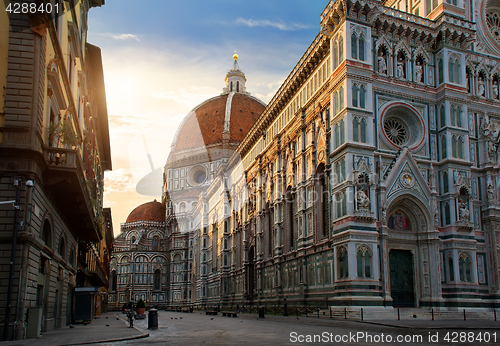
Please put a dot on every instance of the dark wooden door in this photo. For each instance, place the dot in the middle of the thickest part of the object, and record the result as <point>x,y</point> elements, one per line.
<point>402,287</point>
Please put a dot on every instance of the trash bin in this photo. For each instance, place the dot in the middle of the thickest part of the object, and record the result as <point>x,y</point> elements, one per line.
<point>261,312</point>
<point>153,319</point>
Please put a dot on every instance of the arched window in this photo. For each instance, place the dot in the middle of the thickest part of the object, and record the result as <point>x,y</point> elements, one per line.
<point>445,182</point>
<point>342,132</point>
<point>225,243</point>
<point>442,116</point>
<point>354,46</point>
<point>460,147</point>
<point>465,267</point>
<point>440,71</point>
<point>204,257</point>
<point>451,268</point>
<point>457,148</point>
<point>444,153</point>
<point>47,233</point>
<point>459,116</point>
<point>182,207</point>
<point>362,130</point>
<point>62,248</point>
<point>237,86</point>
<point>451,68</point>
<point>112,281</point>
<point>341,50</point>
<point>225,259</point>
<point>447,216</point>
<point>341,204</point>
<point>335,56</point>
<point>453,116</point>
<point>456,71</point>
<point>359,130</point>
<point>157,280</point>
<point>355,130</point>
<point>321,201</point>
<point>342,262</point>
<point>362,97</point>
<point>337,135</point>
<point>289,217</point>
<point>361,52</point>
<point>354,95</point>
<point>231,86</point>
<point>364,262</point>
<point>341,98</point>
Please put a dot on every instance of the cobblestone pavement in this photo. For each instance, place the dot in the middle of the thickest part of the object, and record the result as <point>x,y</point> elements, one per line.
<point>100,330</point>
<point>177,328</point>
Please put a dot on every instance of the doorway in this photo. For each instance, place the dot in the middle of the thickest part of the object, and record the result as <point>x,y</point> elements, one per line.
<point>402,285</point>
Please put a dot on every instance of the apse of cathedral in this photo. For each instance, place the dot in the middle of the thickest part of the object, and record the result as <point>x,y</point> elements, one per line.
<point>370,179</point>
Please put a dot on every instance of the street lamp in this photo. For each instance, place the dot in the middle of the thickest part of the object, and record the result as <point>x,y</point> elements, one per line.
<point>15,204</point>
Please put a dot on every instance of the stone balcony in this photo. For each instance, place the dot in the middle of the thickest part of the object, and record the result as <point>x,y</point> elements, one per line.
<point>65,179</point>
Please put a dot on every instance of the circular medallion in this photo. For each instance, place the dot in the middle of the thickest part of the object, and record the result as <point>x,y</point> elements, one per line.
<point>321,155</point>
<point>407,180</point>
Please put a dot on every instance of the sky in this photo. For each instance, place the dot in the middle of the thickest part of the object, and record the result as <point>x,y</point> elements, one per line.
<point>162,58</point>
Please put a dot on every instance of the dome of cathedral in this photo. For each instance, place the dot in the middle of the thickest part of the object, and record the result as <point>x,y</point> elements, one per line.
<point>229,115</point>
<point>150,211</point>
<point>205,125</point>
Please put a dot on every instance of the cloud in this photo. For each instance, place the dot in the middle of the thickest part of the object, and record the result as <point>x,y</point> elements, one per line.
<point>264,22</point>
<point>119,180</point>
<point>123,37</point>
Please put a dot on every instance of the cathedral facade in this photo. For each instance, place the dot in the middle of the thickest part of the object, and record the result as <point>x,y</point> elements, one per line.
<point>370,179</point>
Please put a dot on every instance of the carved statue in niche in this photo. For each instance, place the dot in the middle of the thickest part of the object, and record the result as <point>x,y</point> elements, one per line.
<point>401,66</point>
<point>419,76</point>
<point>495,89</point>
<point>382,65</point>
<point>489,132</point>
<point>480,86</point>
<point>490,193</point>
<point>463,211</point>
<point>362,200</point>
<point>488,128</point>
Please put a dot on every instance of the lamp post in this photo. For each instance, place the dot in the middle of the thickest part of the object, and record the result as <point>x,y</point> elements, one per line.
<point>17,184</point>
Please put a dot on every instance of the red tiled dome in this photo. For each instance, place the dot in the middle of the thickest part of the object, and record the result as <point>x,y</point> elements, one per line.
<point>151,211</point>
<point>204,126</point>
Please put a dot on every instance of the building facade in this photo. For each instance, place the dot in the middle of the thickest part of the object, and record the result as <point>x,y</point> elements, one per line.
<point>54,149</point>
<point>370,179</point>
<point>138,267</point>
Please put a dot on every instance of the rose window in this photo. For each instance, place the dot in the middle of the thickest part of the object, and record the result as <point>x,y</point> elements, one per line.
<point>396,131</point>
<point>493,22</point>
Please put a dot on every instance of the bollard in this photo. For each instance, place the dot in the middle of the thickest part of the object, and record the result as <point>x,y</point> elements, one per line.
<point>495,313</point>
<point>432,314</point>
<point>330,313</point>
<point>361,314</point>
<point>318,312</point>
<point>153,319</point>
<point>285,309</point>
<point>465,317</point>
<point>345,313</point>
<point>261,312</point>
<point>399,316</point>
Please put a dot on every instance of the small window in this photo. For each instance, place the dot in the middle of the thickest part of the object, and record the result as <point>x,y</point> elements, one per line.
<point>354,46</point>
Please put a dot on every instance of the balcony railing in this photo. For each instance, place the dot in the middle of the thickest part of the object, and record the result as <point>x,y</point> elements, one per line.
<point>67,183</point>
<point>95,268</point>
